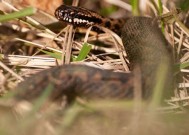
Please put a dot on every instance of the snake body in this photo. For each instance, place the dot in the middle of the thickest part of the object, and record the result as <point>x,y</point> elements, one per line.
<point>147,51</point>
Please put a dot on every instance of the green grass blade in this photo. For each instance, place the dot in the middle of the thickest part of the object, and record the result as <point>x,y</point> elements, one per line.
<point>84,52</point>
<point>178,67</point>
<point>53,54</point>
<point>135,7</point>
<point>43,98</point>
<point>158,89</point>
<point>160,12</point>
<point>22,13</point>
<point>160,7</point>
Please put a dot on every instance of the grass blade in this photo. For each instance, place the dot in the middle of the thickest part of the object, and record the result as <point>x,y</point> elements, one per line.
<point>135,7</point>
<point>84,52</point>
<point>22,13</point>
<point>53,54</point>
<point>178,67</point>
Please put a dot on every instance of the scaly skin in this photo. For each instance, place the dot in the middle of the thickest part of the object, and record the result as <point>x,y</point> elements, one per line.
<point>147,50</point>
<point>77,80</point>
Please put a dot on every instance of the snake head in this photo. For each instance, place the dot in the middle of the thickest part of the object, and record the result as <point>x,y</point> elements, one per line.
<point>76,16</point>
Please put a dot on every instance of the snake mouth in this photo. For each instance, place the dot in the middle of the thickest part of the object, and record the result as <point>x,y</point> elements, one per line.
<point>78,17</point>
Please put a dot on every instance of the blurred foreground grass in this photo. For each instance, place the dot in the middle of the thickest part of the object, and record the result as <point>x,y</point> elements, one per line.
<point>96,118</point>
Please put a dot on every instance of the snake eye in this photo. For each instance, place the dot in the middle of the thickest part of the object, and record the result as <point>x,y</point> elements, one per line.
<point>62,14</point>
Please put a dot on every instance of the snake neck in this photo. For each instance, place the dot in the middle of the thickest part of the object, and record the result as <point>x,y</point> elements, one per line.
<point>148,49</point>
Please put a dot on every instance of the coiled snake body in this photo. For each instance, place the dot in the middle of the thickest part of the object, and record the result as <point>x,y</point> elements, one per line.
<point>147,51</point>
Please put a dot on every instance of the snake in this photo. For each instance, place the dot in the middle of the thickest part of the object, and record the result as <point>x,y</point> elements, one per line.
<point>147,50</point>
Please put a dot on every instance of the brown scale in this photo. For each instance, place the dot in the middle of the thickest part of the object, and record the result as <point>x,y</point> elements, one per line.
<point>81,17</point>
